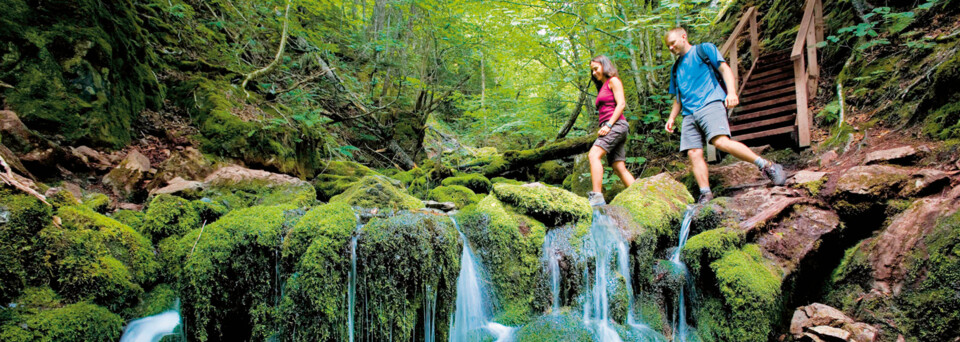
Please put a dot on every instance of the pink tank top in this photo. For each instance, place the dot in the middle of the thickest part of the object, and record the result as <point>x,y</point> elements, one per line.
<point>606,103</point>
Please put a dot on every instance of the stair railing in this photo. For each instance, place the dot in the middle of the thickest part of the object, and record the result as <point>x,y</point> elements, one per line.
<point>806,71</point>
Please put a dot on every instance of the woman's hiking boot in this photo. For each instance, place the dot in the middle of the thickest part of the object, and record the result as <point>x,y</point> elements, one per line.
<point>595,198</point>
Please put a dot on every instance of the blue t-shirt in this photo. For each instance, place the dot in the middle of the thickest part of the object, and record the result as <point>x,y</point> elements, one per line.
<point>698,86</point>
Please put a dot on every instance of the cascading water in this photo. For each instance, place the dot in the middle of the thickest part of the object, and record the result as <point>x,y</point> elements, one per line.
<point>153,328</point>
<point>556,245</point>
<point>607,239</point>
<point>682,329</point>
<point>352,280</point>
<point>470,317</point>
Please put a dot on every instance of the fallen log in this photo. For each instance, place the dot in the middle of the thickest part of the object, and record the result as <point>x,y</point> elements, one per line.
<point>512,160</point>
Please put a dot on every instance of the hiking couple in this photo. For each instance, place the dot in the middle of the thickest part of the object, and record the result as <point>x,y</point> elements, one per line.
<point>701,99</point>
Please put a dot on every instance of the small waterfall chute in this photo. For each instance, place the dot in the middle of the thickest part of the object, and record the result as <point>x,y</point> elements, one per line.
<point>153,328</point>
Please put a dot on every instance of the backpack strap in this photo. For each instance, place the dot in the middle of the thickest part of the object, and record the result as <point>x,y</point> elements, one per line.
<point>716,71</point>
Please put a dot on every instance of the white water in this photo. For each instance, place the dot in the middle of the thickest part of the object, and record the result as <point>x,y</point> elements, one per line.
<point>153,328</point>
<point>429,314</point>
<point>682,329</point>
<point>471,316</point>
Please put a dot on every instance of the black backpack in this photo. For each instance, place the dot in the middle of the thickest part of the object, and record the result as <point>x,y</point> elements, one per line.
<point>706,60</point>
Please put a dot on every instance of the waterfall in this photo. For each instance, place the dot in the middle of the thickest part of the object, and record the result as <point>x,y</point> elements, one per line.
<point>153,328</point>
<point>471,318</point>
<point>556,245</point>
<point>352,280</point>
<point>682,329</point>
<point>429,314</point>
<point>608,243</point>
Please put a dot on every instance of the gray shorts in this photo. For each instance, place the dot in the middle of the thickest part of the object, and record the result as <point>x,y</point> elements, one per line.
<point>615,142</point>
<point>709,121</point>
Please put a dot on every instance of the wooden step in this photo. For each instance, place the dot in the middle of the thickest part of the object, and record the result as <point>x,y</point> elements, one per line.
<point>766,133</point>
<point>758,75</point>
<point>787,108</point>
<point>768,103</point>
<point>772,58</point>
<point>773,65</point>
<point>779,121</point>
<point>754,88</point>
<point>774,77</point>
<point>766,95</point>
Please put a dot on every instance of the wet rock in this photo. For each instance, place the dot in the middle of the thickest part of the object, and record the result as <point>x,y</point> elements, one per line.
<point>126,178</point>
<point>233,174</point>
<point>655,203</point>
<point>900,155</point>
<point>737,173</point>
<point>444,206</point>
<point>828,158</point>
<point>178,186</point>
<point>798,235</point>
<point>548,204</point>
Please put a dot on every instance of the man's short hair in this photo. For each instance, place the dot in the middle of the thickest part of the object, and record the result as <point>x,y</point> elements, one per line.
<point>678,30</point>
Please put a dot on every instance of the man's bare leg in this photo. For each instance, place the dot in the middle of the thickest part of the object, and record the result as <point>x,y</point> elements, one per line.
<point>700,172</point>
<point>735,148</point>
<point>620,167</point>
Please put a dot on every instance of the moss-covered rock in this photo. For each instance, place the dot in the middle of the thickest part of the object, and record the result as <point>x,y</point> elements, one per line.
<point>377,192</point>
<point>552,172</point>
<point>231,275</point>
<point>330,222</point>
<point>160,298</point>
<point>21,256</point>
<point>496,180</point>
<point>132,218</point>
<point>704,248</point>
<point>98,202</point>
<point>749,291</point>
<point>473,181</point>
<point>95,257</point>
<point>565,327</point>
<point>74,322</point>
<point>169,216</point>
<point>655,203</point>
<point>508,246</point>
<point>402,262</point>
<point>459,195</point>
<point>548,204</point>
<point>334,177</point>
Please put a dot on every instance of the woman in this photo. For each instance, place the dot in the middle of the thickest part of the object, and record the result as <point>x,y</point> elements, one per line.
<point>612,136</point>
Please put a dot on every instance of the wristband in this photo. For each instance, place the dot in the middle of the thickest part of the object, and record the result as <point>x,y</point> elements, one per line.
<point>608,124</point>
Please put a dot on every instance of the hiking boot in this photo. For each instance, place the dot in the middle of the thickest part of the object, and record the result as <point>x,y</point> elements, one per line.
<point>596,199</point>
<point>704,198</point>
<point>774,172</point>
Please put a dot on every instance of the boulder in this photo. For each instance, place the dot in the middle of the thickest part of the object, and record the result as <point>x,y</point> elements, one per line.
<point>550,205</point>
<point>925,182</point>
<point>900,155</point>
<point>459,195</point>
<point>188,163</point>
<point>807,176</point>
<point>91,157</point>
<point>798,235</point>
<point>377,192</point>
<point>473,181</point>
<point>334,177</point>
<point>125,179</point>
<point>655,203</point>
<point>560,327</point>
<point>442,206</point>
<point>871,182</point>
<point>828,333</point>
<point>233,174</point>
<point>737,173</point>
<point>829,324</point>
<point>828,158</point>
<point>178,186</point>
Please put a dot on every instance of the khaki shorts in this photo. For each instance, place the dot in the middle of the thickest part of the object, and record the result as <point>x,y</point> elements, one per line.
<point>615,142</point>
<point>708,122</point>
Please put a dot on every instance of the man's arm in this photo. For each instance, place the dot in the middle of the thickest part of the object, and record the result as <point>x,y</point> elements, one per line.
<point>674,111</point>
<point>732,99</point>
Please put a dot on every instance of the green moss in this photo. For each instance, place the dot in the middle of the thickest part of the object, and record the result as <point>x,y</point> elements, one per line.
<point>377,192</point>
<point>399,260</point>
<point>330,221</point>
<point>62,198</point>
<point>655,203</point>
<point>508,246</point>
<point>473,181</point>
<point>552,172</point>
<point>545,203</point>
<point>132,218</point>
<point>813,187</point>
<point>334,177</point>
<point>749,291</point>
<point>21,254</point>
<point>230,277</point>
<point>565,327</point>
<point>74,322</point>
<point>98,202</point>
<point>96,257</point>
<point>169,215</point>
<point>459,195</point>
<point>229,196</point>
<point>159,299</point>
<point>931,308</point>
<point>496,180</point>
<point>704,248</point>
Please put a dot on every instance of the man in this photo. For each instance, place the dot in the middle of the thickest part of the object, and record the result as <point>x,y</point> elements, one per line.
<point>703,102</point>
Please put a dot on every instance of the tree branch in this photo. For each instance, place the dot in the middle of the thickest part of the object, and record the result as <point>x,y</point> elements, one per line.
<point>276,59</point>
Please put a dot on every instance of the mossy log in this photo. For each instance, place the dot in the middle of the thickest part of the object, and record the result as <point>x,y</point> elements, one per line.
<point>512,160</point>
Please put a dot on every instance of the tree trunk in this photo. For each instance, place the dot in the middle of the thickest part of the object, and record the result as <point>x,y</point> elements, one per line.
<point>512,160</point>
<point>276,59</point>
<point>576,111</point>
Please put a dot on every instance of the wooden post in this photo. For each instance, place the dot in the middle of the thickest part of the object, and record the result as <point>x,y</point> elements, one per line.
<point>818,20</point>
<point>803,120</point>
<point>813,67</point>
<point>734,62</point>
<point>754,37</point>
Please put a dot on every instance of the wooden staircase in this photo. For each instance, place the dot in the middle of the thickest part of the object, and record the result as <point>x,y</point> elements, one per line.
<point>774,93</point>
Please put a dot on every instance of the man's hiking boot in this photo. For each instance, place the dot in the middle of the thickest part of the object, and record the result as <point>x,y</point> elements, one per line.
<point>595,198</point>
<point>704,198</point>
<point>774,172</point>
